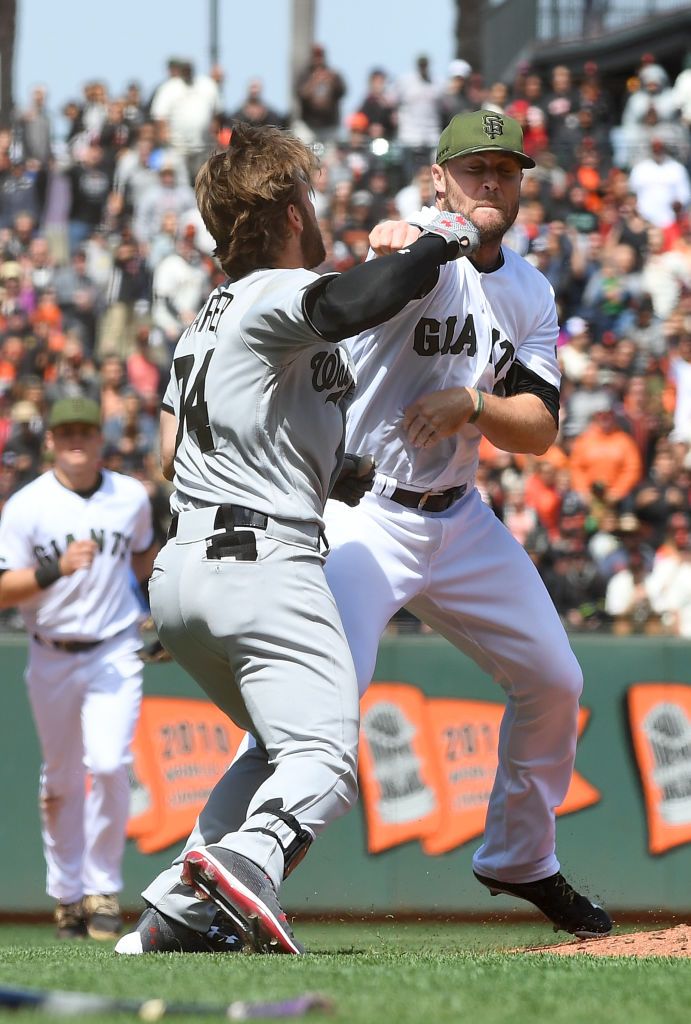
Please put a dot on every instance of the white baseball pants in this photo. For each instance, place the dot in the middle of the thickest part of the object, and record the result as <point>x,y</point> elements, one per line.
<point>463,573</point>
<point>85,706</point>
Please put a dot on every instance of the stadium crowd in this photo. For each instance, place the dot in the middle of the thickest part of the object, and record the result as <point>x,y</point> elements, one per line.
<point>104,260</point>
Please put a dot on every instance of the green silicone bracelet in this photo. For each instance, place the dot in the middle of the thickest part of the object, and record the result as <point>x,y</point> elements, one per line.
<point>478,408</point>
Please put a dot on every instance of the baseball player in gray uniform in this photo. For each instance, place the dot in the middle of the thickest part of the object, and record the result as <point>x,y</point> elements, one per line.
<point>69,541</point>
<point>253,430</point>
<point>476,354</point>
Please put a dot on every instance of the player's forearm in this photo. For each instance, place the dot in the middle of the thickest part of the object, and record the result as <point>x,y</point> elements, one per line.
<point>143,562</point>
<point>519,423</point>
<point>167,432</point>
<point>373,292</point>
<point>16,586</point>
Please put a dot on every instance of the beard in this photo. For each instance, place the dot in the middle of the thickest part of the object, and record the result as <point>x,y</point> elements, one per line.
<point>311,243</point>
<point>491,230</point>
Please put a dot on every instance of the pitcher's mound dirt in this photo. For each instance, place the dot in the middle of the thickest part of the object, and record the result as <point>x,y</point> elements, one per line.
<point>665,942</point>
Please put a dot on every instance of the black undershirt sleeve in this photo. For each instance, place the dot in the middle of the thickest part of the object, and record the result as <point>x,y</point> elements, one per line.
<point>371,293</point>
<point>520,381</point>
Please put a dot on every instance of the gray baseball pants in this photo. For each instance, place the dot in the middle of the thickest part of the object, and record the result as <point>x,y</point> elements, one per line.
<point>264,640</point>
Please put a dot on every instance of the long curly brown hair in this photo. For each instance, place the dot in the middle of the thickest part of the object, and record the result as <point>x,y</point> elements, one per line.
<point>244,191</point>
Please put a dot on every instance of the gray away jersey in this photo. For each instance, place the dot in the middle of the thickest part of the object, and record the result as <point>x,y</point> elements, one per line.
<point>466,332</point>
<point>259,398</point>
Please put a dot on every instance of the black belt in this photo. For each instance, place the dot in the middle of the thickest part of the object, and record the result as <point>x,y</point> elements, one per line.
<point>68,646</point>
<point>228,517</point>
<point>430,501</point>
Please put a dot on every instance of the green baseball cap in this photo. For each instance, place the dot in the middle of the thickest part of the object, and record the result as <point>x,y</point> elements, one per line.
<point>75,410</point>
<point>480,131</point>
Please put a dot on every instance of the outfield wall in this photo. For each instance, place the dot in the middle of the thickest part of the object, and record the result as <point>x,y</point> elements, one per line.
<point>429,724</point>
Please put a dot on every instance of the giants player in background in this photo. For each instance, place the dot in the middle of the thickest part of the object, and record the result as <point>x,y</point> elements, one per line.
<point>475,355</point>
<point>69,542</point>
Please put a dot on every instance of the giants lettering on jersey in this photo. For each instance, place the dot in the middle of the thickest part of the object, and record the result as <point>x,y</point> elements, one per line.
<point>112,543</point>
<point>432,338</point>
<point>332,374</point>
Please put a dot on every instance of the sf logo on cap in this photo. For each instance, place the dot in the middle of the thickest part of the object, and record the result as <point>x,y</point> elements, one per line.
<point>492,125</point>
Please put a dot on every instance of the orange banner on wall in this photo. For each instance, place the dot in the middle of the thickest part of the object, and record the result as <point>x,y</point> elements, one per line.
<point>427,767</point>
<point>660,721</point>
<point>398,773</point>
<point>181,749</point>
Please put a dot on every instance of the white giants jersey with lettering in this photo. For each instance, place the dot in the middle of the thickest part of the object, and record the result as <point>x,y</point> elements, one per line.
<point>467,331</point>
<point>259,398</point>
<point>41,519</point>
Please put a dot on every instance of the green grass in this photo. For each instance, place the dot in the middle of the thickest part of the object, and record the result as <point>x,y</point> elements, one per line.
<point>393,973</point>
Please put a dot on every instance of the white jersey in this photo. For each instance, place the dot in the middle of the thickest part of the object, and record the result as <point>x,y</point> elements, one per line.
<point>467,331</point>
<point>259,398</point>
<point>41,519</point>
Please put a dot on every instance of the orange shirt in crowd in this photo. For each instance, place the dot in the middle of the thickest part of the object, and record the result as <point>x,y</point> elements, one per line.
<point>610,457</point>
<point>546,501</point>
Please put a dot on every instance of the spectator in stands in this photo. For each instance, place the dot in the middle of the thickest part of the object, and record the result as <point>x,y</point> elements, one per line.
<point>574,354</point>
<point>73,374</point>
<point>583,401</point>
<point>116,134</point>
<point>379,106</point>
<point>128,292</point>
<point>627,599</point>
<point>418,193</point>
<point>669,583</point>
<point>113,384</point>
<point>665,275</point>
<point>561,104</point>
<point>418,115</point>
<point>36,128</point>
<point>191,116</point>
<point>320,90</point>
<point>611,292</point>
<point>24,445</point>
<point>654,96</point>
<point>78,298</point>
<point>254,110</point>
<point>169,93</point>
<point>659,496</point>
<point>164,196</point>
<point>143,370</point>
<point>605,457</point>
<point>90,182</point>
<point>19,192</point>
<point>179,285</point>
<point>453,99</point>
<point>660,182</point>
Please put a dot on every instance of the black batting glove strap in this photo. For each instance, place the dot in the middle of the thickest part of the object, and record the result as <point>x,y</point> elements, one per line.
<point>462,238</point>
<point>355,479</point>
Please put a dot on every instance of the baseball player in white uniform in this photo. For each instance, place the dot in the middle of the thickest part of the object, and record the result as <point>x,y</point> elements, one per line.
<point>474,355</point>
<point>69,543</point>
<point>252,429</point>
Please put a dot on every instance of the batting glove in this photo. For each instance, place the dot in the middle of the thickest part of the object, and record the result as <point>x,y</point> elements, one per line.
<point>354,480</point>
<point>462,237</point>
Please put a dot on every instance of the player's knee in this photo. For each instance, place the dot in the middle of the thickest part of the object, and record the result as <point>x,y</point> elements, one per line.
<point>343,764</point>
<point>566,678</point>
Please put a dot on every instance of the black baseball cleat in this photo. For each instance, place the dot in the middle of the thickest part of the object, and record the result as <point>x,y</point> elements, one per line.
<point>156,933</point>
<point>244,894</point>
<point>559,902</point>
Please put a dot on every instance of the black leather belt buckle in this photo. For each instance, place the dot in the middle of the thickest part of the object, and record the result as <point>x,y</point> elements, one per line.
<point>241,545</point>
<point>430,501</point>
